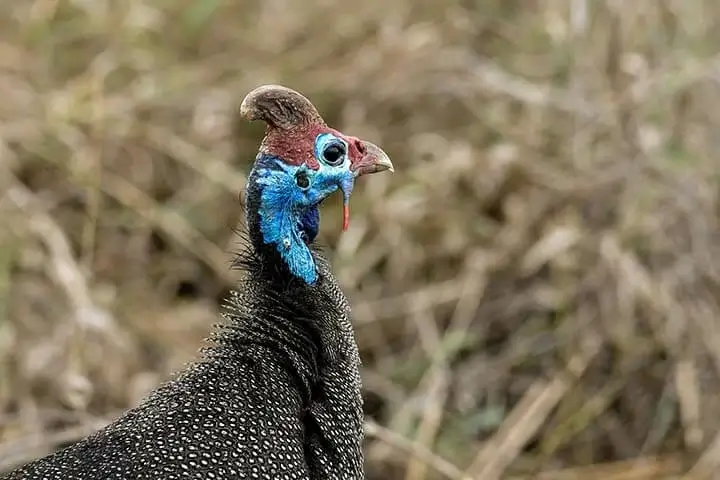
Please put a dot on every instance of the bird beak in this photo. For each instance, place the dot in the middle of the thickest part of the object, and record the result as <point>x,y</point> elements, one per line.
<point>373,161</point>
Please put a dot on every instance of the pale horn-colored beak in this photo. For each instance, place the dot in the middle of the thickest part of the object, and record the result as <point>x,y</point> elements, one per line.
<point>375,160</point>
<point>384,163</point>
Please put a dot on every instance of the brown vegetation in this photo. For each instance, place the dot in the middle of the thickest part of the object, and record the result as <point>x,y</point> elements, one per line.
<point>535,290</point>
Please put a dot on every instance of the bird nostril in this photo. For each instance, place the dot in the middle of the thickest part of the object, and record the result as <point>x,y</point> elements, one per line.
<point>361,147</point>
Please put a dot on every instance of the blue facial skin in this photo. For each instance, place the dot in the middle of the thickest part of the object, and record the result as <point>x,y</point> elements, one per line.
<point>289,216</point>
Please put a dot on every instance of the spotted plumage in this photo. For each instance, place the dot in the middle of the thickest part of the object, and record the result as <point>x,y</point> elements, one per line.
<point>277,394</point>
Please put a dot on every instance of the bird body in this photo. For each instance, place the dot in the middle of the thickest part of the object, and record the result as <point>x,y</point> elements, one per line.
<point>277,393</point>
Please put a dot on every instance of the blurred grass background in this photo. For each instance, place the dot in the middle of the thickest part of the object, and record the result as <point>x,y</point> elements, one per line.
<point>535,291</point>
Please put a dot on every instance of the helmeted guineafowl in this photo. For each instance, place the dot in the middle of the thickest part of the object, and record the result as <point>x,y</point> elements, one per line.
<point>277,394</point>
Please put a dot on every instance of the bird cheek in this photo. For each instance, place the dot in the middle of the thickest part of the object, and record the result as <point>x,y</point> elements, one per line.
<point>314,196</point>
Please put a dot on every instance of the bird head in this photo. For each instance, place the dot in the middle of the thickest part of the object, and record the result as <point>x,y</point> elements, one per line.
<point>301,162</point>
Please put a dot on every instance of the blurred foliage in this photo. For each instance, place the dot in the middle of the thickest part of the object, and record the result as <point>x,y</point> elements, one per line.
<point>535,289</point>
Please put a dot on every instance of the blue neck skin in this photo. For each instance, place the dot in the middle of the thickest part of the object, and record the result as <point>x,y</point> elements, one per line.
<point>288,215</point>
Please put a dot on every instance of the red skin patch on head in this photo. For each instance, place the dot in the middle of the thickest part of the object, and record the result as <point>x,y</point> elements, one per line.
<point>356,149</point>
<point>297,146</point>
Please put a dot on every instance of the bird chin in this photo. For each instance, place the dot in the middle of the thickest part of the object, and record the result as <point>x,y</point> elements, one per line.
<point>368,169</point>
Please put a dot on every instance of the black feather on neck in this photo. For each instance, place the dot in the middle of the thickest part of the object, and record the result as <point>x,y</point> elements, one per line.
<point>273,307</point>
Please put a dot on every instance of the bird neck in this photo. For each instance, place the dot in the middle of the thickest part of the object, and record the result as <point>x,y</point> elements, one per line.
<point>280,233</point>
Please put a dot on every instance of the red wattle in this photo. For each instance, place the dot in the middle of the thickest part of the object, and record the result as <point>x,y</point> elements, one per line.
<point>346,217</point>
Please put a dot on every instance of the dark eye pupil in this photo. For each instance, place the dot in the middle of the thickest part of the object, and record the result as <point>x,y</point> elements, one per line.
<point>333,154</point>
<point>302,180</point>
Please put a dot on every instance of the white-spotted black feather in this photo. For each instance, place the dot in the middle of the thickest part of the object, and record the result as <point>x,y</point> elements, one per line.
<point>276,395</point>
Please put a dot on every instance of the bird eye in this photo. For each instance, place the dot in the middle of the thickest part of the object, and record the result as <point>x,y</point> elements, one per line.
<point>334,154</point>
<point>302,180</point>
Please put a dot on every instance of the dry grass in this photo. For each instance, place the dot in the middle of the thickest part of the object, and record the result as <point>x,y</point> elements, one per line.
<point>535,290</point>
